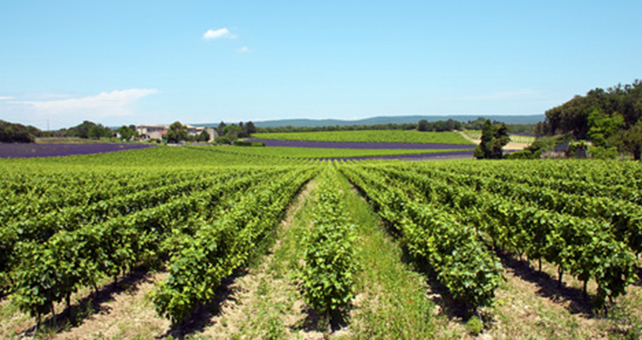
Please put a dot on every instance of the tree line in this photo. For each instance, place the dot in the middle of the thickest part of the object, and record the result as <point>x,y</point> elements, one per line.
<point>610,119</point>
<point>422,125</point>
<point>228,134</point>
<point>17,133</point>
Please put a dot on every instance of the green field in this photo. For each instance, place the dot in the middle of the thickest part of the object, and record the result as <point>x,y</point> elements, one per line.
<point>379,136</point>
<point>476,134</point>
<point>260,243</point>
<point>198,156</point>
<point>295,152</point>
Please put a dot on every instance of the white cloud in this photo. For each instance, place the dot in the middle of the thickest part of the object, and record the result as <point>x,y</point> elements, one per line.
<point>503,95</point>
<point>6,98</point>
<point>244,49</point>
<point>219,33</point>
<point>105,104</point>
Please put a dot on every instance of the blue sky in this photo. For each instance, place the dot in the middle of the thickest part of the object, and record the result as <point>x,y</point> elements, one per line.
<point>135,62</point>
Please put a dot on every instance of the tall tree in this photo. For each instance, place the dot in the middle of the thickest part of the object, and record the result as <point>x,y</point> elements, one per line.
<point>423,125</point>
<point>483,150</point>
<point>602,126</point>
<point>125,132</point>
<point>632,140</point>
<point>250,128</point>
<point>204,136</point>
<point>500,139</point>
<point>176,132</point>
<point>573,116</point>
<point>221,128</point>
<point>493,139</point>
<point>15,133</point>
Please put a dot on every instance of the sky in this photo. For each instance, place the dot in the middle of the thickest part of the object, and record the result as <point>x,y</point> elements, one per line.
<point>155,62</point>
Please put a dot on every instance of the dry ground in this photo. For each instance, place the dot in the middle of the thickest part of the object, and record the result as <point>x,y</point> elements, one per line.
<point>509,147</point>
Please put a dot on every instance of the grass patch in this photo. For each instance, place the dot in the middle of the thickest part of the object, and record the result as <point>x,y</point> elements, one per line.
<point>391,301</point>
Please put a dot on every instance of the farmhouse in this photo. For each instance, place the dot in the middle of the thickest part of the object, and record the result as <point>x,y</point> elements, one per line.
<point>159,131</point>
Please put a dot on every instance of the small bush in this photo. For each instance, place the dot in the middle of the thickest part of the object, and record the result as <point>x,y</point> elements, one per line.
<point>475,325</point>
<point>523,154</point>
<point>598,152</point>
<point>246,143</point>
<point>222,140</point>
<point>242,143</point>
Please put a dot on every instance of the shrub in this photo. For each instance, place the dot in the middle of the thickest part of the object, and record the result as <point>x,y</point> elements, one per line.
<point>246,143</point>
<point>599,152</point>
<point>475,325</point>
<point>222,140</point>
<point>523,154</point>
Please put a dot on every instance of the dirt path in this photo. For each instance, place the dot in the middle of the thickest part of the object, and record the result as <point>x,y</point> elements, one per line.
<point>121,311</point>
<point>530,304</point>
<point>509,147</point>
<point>265,303</point>
<point>129,315</point>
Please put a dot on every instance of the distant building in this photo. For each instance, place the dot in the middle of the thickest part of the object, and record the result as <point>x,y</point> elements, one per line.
<point>569,149</point>
<point>158,132</point>
<point>152,131</point>
<point>197,130</point>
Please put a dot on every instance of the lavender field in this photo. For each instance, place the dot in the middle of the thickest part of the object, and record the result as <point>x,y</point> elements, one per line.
<point>56,150</point>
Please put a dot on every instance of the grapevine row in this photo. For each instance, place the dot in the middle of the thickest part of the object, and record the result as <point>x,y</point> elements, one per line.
<point>40,228</point>
<point>583,247</point>
<point>58,192</point>
<point>329,247</point>
<point>221,245</point>
<point>624,217</point>
<point>52,271</point>
<point>454,251</point>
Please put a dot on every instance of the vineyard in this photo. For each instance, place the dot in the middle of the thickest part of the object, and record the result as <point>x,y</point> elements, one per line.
<point>201,243</point>
<point>378,136</point>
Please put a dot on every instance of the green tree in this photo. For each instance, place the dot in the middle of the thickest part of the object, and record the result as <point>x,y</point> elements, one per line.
<point>204,136</point>
<point>125,132</point>
<point>221,128</point>
<point>232,130</point>
<point>16,133</point>
<point>94,132</point>
<point>250,128</point>
<point>80,130</point>
<point>632,140</point>
<point>176,133</point>
<point>500,139</point>
<point>483,150</point>
<point>423,125</point>
<point>493,139</point>
<point>603,126</point>
<point>97,131</point>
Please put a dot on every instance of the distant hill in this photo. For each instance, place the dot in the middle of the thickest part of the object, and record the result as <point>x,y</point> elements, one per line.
<point>531,119</point>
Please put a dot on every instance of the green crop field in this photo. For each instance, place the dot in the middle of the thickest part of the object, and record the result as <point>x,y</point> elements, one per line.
<point>476,134</point>
<point>296,152</point>
<point>265,243</point>
<point>380,136</point>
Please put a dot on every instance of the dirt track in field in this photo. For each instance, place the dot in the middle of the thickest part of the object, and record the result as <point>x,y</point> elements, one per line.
<point>509,147</point>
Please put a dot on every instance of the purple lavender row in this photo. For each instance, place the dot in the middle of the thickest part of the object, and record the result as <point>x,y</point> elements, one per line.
<point>361,145</point>
<point>456,154</point>
<point>56,150</point>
